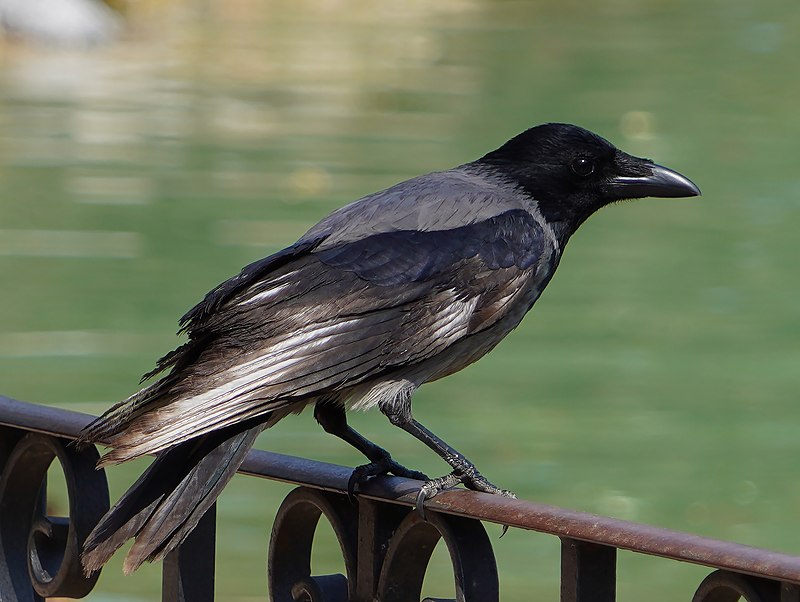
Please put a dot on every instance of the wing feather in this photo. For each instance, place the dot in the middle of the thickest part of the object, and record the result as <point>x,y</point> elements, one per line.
<point>327,320</point>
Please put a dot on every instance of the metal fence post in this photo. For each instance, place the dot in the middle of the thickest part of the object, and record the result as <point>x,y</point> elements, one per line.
<point>188,572</point>
<point>588,572</point>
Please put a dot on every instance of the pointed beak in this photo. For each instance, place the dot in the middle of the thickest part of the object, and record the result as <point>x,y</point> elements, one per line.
<point>660,182</point>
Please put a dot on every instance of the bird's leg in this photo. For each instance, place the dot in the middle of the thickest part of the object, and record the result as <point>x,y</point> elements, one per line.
<point>331,417</point>
<point>464,471</point>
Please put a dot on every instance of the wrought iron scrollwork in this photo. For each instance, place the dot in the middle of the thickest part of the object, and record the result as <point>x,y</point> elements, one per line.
<point>289,570</point>
<point>410,549</point>
<point>726,586</point>
<point>386,551</point>
<point>40,554</point>
<point>386,547</point>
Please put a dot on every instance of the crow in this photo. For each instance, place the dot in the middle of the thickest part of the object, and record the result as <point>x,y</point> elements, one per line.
<point>402,287</point>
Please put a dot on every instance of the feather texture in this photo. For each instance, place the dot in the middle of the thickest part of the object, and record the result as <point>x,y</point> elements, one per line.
<point>327,321</point>
<point>169,499</point>
<point>399,288</point>
<point>341,315</point>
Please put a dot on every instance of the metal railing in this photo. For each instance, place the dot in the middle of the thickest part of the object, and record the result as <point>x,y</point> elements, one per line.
<point>386,546</point>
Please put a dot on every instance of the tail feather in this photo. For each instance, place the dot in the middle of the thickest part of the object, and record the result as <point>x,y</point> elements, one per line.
<point>117,417</point>
<point>126,518</point>
<point>169,499</point>
<point>174,518</point>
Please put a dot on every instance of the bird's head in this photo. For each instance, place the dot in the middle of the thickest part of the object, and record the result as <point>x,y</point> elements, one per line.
<point>572,173</point>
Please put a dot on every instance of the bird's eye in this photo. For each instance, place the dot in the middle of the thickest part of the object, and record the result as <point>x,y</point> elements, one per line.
<point>582,166</point>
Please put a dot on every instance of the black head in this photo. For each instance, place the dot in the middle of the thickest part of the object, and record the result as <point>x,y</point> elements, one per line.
<point>572,172</point>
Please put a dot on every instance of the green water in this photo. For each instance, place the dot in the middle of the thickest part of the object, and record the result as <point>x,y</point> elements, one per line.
<point>655,380</point>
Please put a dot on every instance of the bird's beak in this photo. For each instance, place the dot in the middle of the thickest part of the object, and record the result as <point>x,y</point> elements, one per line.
<point>660,182</point>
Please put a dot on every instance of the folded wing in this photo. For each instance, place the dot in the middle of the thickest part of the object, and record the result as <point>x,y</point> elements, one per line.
<point>318,321</point>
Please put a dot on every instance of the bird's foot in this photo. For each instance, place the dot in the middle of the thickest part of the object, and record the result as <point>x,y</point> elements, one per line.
<point>380,467</point>
<point>471,479</point>
<point>477,482</point>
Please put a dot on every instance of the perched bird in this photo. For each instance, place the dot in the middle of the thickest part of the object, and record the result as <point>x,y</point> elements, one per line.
<point>399,288</point>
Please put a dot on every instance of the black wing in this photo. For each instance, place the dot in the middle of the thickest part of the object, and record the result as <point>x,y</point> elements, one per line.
<point>330,319</point>
<point>250,274</point>
<point>512,239</point>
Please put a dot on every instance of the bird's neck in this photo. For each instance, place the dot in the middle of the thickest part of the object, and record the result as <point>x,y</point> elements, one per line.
<point>562,230</point>
<point>563,217</point>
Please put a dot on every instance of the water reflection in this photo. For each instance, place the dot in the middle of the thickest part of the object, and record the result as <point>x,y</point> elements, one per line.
<point>66,243</point>
<point>657,377</point>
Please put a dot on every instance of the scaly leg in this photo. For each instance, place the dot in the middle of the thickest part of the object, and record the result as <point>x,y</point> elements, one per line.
<point>331,417</point>
<point>464,471</point>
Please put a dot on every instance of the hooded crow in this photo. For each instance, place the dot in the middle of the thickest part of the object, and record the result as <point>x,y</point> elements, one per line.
<point>402,287</point>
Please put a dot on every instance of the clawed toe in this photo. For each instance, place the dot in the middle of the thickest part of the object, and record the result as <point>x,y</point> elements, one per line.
<point>467,475</point>
<point>379,468</point>
<point>478,482</point>
<point>399,470</point>
<point>433,487</point>
<point>356,477</point>
<point>362,473</point>
<point>474,481</point>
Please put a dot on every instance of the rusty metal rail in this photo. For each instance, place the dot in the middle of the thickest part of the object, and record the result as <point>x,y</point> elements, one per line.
<point>381,540</point>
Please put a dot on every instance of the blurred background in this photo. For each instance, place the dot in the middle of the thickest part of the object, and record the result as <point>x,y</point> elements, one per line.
<point>149,150</point>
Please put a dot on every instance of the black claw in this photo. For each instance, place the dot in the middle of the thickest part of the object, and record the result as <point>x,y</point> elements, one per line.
<point>505,530</point>
<point>379,468</point>
<point>351,487</point>
<point>419,506</point>
<point>358,476</point>
<point>478,482</point>
<point>434,487</point>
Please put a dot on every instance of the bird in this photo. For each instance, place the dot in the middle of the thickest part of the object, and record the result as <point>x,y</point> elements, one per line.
<point>399,288</point>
